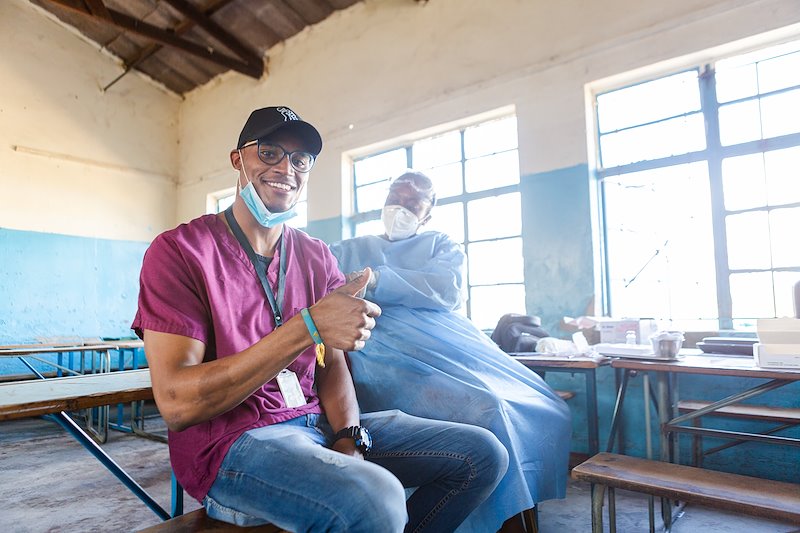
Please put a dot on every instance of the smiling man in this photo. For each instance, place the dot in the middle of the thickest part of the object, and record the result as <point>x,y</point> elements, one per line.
<point>245,321</point>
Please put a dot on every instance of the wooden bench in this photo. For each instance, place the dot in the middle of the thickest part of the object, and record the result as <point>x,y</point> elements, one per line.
<point>785,416</point>
<point>198,521</point>
<point>731,492</point>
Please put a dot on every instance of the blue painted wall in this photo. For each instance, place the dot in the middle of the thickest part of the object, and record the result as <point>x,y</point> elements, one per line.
<point>65,286</point>
<point>557,246</point>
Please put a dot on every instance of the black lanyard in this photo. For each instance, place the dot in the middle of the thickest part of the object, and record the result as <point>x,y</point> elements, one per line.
<point>276,305</point>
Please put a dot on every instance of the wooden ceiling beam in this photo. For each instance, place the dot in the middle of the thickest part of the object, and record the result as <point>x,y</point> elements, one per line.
<point>183,27</point>
<point>165,37</point>
<point>218,32</point>
<point>98,9</point>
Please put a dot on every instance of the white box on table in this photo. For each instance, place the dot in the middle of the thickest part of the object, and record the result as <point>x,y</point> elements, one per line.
<point>777,355</point>
<point>615,330</point>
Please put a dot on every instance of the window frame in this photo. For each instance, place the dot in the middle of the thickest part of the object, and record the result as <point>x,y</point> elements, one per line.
<point>713,154</point>
<point>463,198</point>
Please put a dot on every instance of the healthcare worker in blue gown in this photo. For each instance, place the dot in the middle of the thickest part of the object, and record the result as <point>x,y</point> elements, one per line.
<point>428,360</point>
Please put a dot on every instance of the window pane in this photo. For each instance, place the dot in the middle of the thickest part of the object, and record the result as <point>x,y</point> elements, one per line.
<point>671,137</point>
<point>735,83</point>
<point>490,137</point>
<point>748,241</point>
<point>739,123</point>
<point>780,113</point>
<point>448,219</point>
<point>751,293</point>
<point>436,151</point>
<point>784,225</point>
<point>492,171</point>
<point>743,182</point>
<point>380,167</point>
<point>301,220</point>
<point>371,197</point>
<point>783,175</point>
<point>484,266</point>
<point>659,243</point>
<point>495,216</point>
<point>446,180</point>
<point>488,304</point>
<point>648,102</point>
<point>371,227</point>
<point>225,202</point>
<point>784,293</point>
<point>779,73</point>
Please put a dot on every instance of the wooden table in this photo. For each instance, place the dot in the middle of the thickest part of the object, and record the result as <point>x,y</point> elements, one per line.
<point>586,365</point>
<point>54,396</point>
<point>716,365</point>
<point>46,396</point>
<point>693,362</point>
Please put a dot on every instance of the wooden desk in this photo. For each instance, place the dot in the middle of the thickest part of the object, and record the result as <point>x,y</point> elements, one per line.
<point>716,365</point>
<point>45,396</point>
<point>542,363</point>
<point>692,362</point>
<point>52,397</point>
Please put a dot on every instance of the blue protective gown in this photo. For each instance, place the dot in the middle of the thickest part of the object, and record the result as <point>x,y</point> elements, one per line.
<point>428,360</point>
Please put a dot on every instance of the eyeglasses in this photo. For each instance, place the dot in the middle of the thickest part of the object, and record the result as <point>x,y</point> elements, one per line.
<point>272,154</point>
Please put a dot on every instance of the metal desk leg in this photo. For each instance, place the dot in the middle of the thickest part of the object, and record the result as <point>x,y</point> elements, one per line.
<point>617,409</point>
<point>598,492</point>
<point>73,429</point>
<point>177,496</point>
<point>591,410</point>
<point>664,409</point>
<point>84,440</point>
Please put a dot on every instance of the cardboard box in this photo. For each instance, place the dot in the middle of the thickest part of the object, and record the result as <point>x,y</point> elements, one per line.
<point>777,355</point>
<point>615,330</point>
<point>778,330</point>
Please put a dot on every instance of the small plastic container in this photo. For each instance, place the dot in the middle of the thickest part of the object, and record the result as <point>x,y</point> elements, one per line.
<point>667,344</point>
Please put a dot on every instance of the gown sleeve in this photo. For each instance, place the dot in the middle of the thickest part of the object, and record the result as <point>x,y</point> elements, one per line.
<point>426,275</point>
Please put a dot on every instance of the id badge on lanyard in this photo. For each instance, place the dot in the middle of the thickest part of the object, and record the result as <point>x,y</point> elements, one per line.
<point>287,380</point>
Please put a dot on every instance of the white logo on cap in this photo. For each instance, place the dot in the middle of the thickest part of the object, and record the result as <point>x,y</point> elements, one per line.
<point>287,113</point>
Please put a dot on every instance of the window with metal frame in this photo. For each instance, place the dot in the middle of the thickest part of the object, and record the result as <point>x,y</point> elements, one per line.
<point>699,175</point>
<point>475,171</point>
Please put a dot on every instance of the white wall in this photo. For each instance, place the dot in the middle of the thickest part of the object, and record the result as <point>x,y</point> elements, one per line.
<point>75,160</point>
<point>390,67</point>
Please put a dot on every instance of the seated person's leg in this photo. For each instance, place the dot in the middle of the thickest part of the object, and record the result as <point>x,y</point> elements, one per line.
<point>284,474</point>
<point>456,466</point>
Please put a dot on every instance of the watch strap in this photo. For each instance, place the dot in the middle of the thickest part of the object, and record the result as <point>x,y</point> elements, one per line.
<point>347,433</point>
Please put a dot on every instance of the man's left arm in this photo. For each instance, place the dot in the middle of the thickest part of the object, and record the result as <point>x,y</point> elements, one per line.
<point>338,398</point>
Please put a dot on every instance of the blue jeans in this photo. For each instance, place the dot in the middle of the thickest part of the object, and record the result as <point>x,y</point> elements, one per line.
<point>286,474</point>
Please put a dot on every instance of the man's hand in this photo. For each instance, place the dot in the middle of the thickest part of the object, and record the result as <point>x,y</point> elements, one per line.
<point>345,321</point>
<point>347,447</point>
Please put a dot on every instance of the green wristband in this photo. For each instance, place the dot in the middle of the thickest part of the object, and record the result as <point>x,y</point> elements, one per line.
<point>312,328</point>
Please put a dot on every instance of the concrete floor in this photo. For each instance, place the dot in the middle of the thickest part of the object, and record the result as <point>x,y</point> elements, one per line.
<point>49,483</point>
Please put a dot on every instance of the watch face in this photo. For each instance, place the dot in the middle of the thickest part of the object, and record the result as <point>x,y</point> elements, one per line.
<point>364,440</point>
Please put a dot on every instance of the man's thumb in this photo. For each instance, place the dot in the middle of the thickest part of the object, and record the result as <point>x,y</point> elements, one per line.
<point>356,286</point>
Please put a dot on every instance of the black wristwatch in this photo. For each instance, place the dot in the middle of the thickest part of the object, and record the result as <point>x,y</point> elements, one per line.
<point>359,434</point>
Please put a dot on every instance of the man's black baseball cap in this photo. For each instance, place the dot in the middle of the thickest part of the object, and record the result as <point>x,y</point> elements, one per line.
<point>266,120</point>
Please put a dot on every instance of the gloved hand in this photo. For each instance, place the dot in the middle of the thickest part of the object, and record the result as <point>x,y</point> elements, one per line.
<point>371,284</point>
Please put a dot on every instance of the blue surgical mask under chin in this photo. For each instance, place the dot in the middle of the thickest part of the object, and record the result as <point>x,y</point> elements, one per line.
<point>259,211</point>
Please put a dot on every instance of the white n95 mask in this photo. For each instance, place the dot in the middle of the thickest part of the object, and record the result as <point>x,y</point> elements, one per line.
<point>399,222</point>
